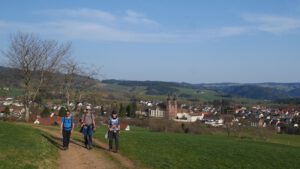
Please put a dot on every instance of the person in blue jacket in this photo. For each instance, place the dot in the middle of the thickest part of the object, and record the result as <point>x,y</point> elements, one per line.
<point>66,126</point>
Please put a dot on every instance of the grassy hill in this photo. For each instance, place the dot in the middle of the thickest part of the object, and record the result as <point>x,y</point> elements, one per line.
<point>213,91</point>
<point>125,90</point>
<point>255,92</point>
<point>262,91</point>
<point>157,92</point>
<point>22,147</point>
<point>169,150</point>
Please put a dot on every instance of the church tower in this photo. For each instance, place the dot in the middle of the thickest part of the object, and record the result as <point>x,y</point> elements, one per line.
<point>171,107</point>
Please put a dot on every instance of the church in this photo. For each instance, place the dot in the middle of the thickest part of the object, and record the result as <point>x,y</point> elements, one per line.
<point>171,107</point>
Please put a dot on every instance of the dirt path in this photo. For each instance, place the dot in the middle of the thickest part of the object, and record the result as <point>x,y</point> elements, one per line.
<point>78,157</point>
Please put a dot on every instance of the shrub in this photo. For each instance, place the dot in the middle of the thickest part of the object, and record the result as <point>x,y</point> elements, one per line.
<point>46,112</point>
<point>139,122</point>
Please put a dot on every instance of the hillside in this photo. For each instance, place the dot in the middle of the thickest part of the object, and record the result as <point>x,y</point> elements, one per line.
<point>11,78</point>
<point>26,148</point>
<point>259,91</point>
<point>179,150</point>
<point>124,90</point>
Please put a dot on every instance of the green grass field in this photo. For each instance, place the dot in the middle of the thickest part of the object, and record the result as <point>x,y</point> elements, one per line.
<point>170,150</point>
<point>14,92</point>
<point>22,147</point>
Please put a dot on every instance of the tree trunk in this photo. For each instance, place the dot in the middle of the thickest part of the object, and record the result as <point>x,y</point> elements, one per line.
<point>27,113</point>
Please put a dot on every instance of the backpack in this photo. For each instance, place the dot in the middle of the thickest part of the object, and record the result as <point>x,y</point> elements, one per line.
<point>65,121</point>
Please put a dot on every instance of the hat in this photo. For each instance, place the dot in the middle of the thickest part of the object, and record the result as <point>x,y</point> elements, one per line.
<point>88,107</point>
<point>114,112</point>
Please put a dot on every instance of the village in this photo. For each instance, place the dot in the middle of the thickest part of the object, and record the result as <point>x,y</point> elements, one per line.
<point>282,119</point>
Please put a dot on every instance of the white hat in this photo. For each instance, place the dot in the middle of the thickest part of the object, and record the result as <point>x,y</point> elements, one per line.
<point>88,107</point>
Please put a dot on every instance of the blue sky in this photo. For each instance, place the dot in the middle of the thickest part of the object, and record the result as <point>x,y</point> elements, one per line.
<point>169,40</point>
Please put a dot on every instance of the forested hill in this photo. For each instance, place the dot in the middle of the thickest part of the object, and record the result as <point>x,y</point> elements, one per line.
<point>263,91</point>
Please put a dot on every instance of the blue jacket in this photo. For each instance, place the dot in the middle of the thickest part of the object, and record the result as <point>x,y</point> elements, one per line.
<point>67,123</point>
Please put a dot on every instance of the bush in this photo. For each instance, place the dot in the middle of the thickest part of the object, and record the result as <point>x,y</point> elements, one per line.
<point>200,128</point>
<point>6,113</point>
<point>139,122</point>
<point>46,112</point>
<point>292,130</point>
<point>162,125</point>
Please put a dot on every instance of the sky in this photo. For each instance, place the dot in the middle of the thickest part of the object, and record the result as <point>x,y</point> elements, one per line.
<point>207,41</point>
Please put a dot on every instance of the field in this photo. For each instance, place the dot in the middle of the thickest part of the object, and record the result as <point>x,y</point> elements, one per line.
<point>170,150</point>
<point>13,92</point>
<point>112,92</point>
<point>23,147</point>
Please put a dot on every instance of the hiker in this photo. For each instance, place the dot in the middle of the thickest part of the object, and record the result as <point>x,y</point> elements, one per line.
<point>88,127</point>
<point>66,126</point>
<point>113,131</point>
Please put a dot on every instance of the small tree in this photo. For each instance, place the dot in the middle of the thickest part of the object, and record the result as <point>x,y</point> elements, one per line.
<point>228,123</point>
<point>134,108</point>
<point>6,111</point>
<point>122,110</point>
<point>128,110</point>
<point>131,109</point>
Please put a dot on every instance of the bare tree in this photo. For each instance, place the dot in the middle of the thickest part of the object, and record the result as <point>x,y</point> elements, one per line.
<point>77,79</point>
<point>86,79</point>
<point>36,59</point>
<point>70,70</point>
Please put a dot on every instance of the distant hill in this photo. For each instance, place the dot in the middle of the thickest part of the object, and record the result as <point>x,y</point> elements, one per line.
<point>9,77</point>
<point>265,91</point>
<point>255,92</point>
<point>261,91</point>
<point>294,92</point>
<point>123,89</point>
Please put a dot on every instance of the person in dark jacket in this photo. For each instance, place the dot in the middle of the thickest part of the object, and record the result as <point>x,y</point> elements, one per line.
<point>113,131</point>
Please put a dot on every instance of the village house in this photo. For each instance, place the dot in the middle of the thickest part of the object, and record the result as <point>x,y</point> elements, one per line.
<point>157,113</point>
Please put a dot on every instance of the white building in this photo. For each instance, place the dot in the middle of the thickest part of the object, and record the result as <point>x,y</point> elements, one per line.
<point>157,113</point>
<point>187,117</point>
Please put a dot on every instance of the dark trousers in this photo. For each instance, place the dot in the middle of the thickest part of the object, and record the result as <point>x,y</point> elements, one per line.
<point>88,135</point>
<point>113,136</point>
<point>66,138</point>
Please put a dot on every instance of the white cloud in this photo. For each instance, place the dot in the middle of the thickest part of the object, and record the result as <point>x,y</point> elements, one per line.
<point>79,30</point>
<point>272,24</point>
<point>232,31</point>
<point>5,24</point>
<point>86,30</point>
<point>138,18</point>
<point>82,13</point>
<point>91,24</point>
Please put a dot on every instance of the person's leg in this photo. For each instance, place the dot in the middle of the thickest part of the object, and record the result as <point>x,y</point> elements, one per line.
<point>85,136</point>
<point>88,137</point>
<point>110,140</point>
<point>64,138</point>
<point>91,136</point>
<point>117,141</point>
<point>68,134</point>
